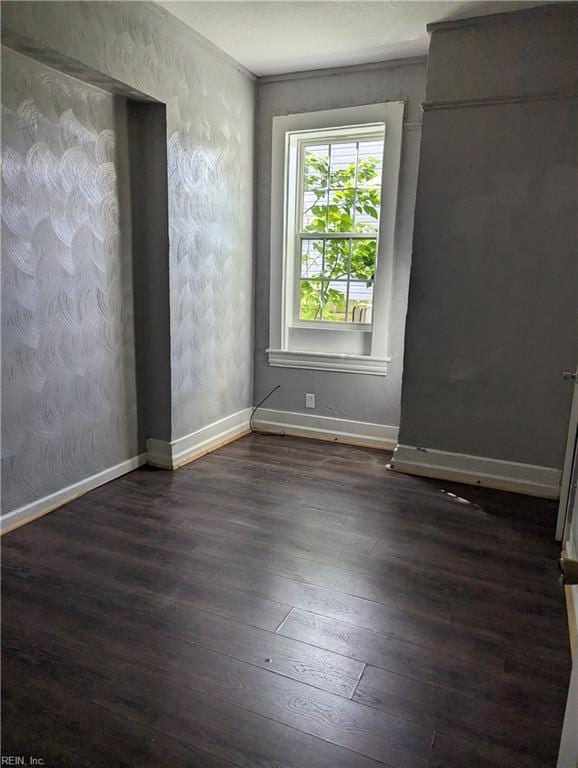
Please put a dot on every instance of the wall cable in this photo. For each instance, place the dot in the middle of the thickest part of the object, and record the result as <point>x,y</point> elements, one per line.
<point>254,411</point>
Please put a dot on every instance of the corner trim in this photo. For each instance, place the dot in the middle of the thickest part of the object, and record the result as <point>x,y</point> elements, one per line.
<point>478,470</point>
<point>12,520</point>
<point>327,361</point>
<point>176,453</point>
<point>335,430</point>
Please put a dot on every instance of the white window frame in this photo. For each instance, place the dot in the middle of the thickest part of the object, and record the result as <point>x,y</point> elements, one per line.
<point>318,345</point>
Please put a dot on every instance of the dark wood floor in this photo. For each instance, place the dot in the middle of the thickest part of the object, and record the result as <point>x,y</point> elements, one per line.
<point>285,602</point>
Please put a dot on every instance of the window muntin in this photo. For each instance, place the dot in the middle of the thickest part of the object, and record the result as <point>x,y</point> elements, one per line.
<point>337,222</point>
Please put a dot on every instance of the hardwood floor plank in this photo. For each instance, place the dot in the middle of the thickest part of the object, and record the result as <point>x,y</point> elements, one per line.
<point>389,620</point>
<point>307,539</point>
<point>68,534</point>
<point>94,736</point>
<point>227,731</point>
<point>452,712</point>
<point>396,655</point>
<point>136,584</point>
<point>331,718</point>
<point>397,694</point>
<point>535,620</point>
<point>393,584</point>
<point>226,496</point>
<point>241,495</point>
<point>508,729</point>
<point>466,559</point>
<point>456,751</point>
<point>460,673</point>
<point>432,521</point>
<point>153,629</point>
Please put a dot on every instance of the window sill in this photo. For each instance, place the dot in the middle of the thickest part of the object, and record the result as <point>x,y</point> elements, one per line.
<point>326,325</point>
<point>327,361</point>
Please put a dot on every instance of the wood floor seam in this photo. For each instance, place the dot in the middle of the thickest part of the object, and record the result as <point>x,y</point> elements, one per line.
<point>352,697</point>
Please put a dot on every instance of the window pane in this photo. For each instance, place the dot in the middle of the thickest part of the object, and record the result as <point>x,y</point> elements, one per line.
<point>310,300</point>
<point>360,302</point>
<point>363,258</point>
<point>353,172</point>
<point>315,210</point>
<point>367,206</point>
<point>370,163</point>
<point>312,259</point>
<point>322,300</point>
<point>316,166</point>
<point>334,301</point>
<point>340,214</point>
<point>337,258</point>
<point>343,164</point>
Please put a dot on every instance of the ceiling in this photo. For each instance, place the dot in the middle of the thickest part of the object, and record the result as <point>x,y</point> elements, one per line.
<point>285,36</point>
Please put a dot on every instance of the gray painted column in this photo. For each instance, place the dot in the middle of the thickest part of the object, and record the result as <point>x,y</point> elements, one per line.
<point>492,317</point>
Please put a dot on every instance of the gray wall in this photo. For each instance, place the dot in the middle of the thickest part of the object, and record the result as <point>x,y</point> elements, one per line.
<point>492,318</point>
<point>147,130</point>
<point>345,395</point>
<point>130,48</point>
<point>68,352</point>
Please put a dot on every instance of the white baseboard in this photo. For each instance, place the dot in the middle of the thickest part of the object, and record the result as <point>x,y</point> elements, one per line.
<point>29,512</point>
<point>326,428</point>
<point>160,453</point>
<point>571,592</point>
<point>477,470</point>
<point>172,455</point>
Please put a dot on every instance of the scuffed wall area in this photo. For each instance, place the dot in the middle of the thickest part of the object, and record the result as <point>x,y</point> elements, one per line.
<point>210,115</point>
<point>68,373</point>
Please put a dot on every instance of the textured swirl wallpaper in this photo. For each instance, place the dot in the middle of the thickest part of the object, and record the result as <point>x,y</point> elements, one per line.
<point>69,388</point>
<point>68,384</point>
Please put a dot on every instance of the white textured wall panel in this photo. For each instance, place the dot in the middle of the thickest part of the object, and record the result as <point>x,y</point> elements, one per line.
<point>68,373</point>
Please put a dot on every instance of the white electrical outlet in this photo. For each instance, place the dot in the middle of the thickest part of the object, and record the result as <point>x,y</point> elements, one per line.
<point>309,400</point>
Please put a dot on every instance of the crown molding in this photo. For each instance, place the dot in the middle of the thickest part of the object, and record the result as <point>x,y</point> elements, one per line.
<point>346,70</point>
<point>484,101</point>
<point>198,38</point>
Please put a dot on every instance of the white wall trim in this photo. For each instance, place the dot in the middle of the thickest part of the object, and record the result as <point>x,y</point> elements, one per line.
<point>478,470</point>
<point>326,428</point>
<point>564,512</point>
<point>171,455</point>
<point>327,361</point>
<point>29,512</point>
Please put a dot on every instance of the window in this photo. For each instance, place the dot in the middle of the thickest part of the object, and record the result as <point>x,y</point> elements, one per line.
<point>339,188</point>
<point>334,196</point>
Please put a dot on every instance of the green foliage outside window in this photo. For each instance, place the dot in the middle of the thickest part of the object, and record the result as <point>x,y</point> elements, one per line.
<point>345,200</point>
